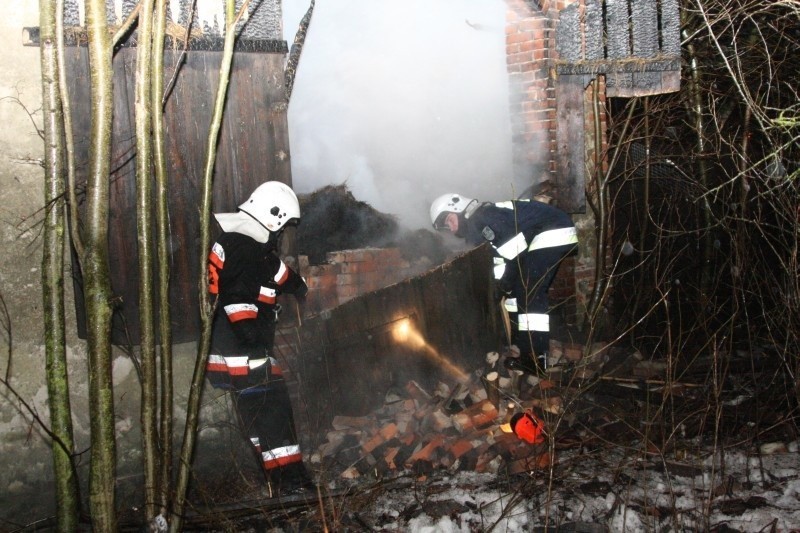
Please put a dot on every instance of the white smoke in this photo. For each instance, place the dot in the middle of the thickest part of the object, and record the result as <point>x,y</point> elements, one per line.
<point>403,100</point>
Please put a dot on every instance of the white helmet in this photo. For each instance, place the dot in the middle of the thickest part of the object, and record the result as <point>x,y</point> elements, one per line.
<point>448,203</point>
<point>273,204</point>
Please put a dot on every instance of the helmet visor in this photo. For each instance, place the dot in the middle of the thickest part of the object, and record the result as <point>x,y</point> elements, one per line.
<point>439,223</point>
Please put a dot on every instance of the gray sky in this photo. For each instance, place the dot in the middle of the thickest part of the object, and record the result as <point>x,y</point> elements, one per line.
<point>403,100</point>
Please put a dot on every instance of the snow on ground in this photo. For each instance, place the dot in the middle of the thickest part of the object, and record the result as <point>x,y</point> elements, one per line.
<point>610,489</point>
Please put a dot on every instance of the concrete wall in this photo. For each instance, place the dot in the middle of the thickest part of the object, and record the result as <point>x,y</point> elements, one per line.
<point>24,454</point>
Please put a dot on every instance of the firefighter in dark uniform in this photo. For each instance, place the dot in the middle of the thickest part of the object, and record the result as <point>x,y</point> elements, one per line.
<point>246,275</point>
<point>529,240</point>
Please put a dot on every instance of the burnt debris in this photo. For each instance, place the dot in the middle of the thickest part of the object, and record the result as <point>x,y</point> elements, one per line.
<point>334,220</point>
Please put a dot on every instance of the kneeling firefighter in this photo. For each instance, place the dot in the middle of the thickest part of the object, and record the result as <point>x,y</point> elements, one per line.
<point>529,240</point>
<point>246,275</point>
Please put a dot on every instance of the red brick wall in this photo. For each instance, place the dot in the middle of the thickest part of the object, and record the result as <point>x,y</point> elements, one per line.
<point>350,273</point>
<point>529,46</point>
<point>530,58</point>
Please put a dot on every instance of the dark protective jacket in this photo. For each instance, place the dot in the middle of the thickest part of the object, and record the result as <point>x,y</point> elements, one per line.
<point>246,276</point>
<point>515,227</point>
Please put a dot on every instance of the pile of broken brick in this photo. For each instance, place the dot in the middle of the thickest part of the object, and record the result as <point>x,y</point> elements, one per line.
<point>459,426</point>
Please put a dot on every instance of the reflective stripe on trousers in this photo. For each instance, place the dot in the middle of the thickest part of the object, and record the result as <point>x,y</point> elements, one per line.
<point>278,457</point>
<point>511,305</point>
<point>499,267</point>
<point>239,365</point>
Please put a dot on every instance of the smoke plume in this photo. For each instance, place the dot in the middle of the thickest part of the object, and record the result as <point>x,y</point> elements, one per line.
<point>401,101</point>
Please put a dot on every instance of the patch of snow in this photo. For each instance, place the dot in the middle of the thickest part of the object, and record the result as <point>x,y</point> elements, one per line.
<point>638,496</point>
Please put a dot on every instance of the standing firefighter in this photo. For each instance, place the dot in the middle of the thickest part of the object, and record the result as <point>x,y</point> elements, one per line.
<point>529,239</point>
<point>247,276</point>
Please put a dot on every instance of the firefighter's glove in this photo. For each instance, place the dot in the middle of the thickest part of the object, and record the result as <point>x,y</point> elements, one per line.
<point>258,371</point>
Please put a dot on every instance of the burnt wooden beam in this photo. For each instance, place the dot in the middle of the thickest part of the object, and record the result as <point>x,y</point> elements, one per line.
<point>297,50</point>
<point>634,43</point>
<point>570,139</point>
<point>594,39</point>
<point>670,27</point>
<point>631,65</point>
<point>77,37</point>
<point>618,45</point>
<point>644,17</point>
<point>630,77</point>
<point>569,33</point>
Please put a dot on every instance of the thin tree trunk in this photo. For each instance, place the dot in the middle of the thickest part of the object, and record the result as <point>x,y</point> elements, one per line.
<point>144,231</point>
<point>72,197</point>
<point>205,307</point>
<point>97,284</point>
<point>702,167</point>
<point>66,481</point>
<point>601,213</point>
<point>162,228</point>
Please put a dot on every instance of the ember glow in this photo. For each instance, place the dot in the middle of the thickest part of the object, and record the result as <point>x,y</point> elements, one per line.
<point>404,332</point>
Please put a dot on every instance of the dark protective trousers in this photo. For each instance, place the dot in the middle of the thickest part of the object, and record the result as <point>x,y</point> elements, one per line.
<point>267,420</point>
<point>264,408</point>
<point>531,322</point>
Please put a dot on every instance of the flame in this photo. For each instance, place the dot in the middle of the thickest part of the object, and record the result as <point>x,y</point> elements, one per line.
<point>404,332</point>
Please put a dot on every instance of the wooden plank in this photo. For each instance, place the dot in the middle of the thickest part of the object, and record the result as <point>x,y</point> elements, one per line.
<point>453,315</point>
<point>661,64</point>
<point>568,34</point>
<point>593,30</point>
<point>670,81</point>
<point>570,139</point>
<point>670,28</point>
<point>618,45</point>
<point>253,147</point>
<point>619,84</point>
<point>644,28</point>
<point>76,61</point>
<point>642,83</point>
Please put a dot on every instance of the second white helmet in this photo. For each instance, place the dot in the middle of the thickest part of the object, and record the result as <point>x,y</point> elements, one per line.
<point>273,204</point>
<point>448,203</point>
